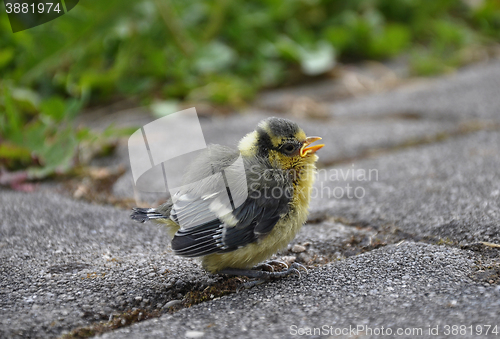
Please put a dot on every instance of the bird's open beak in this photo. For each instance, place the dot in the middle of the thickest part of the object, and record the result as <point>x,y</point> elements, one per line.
<point>305,150</point>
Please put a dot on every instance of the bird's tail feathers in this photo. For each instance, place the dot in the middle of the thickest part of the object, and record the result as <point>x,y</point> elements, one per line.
<point>145,214</point>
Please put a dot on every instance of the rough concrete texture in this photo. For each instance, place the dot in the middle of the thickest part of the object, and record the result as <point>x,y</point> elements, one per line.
<point>67,264</point>
<point>450,190</point>
<point>470,94</point>
<point>415,250</point>
<point>411,286</point>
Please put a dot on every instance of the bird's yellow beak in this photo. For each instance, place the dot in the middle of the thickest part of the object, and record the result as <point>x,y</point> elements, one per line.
<point>305,150</point>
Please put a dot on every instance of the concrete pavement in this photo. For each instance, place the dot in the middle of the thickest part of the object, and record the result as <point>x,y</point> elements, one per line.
<point>412,247</point>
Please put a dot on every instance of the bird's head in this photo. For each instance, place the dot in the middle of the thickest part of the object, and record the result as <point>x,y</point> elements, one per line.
<point>283,142</point>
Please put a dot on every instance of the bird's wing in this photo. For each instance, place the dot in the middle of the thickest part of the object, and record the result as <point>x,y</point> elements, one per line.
<point>204,196</point>
<point>210,226</point>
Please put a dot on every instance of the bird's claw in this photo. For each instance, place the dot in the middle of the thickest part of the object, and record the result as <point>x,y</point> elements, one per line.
<point>297,266</point>
<point>268,265</point>
<point>277,262</point>
<point>265,267</point>
<point>295,269</point>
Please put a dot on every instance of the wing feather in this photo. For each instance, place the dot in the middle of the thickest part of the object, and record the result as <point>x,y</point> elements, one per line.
<point>208,228</point>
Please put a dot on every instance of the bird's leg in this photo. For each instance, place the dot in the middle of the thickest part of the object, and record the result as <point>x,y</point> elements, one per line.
<point>262,276</point>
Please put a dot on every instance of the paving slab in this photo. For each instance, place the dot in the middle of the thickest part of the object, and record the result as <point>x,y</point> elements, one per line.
<point>471,93</point>
<point>411,287</point>
<point>66,264</point>
<point>449,190</point>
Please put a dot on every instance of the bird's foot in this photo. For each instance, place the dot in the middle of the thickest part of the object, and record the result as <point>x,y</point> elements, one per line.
<point>263,276</point>
<point>269,265</point>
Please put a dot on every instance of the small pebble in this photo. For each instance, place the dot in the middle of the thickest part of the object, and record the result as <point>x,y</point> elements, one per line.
<point>194,334</point>
<point>171,303</point>
<point>298,248</point>
<point>289,259</point>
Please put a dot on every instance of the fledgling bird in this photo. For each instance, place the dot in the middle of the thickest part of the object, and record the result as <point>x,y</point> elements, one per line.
<point>279,166</point>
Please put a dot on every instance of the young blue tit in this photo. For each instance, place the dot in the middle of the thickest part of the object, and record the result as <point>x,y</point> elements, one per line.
<point>279,165</point>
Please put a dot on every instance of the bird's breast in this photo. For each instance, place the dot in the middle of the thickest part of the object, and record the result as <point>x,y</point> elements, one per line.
<point>282,233</point>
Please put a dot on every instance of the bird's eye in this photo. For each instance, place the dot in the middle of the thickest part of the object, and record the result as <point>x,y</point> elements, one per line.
<point>289,148</point>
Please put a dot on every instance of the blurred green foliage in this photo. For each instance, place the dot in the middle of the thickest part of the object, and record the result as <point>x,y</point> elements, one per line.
<point>215,50</point>
<point>39,135</point>
<point>37,131</point>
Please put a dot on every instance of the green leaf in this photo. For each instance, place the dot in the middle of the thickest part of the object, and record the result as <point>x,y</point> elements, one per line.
<point>214,57</point>
<point>164,108</point>
<point>339,36</point>
<point>6,56</point>
<point>12,127</point>
<point>73,107</point>
<point>288,49</point>
<point>53,107</point>
<point>14,152</point>
<point>57,154</point>
<point>392,41</point>
<point>26,99</point>
<point>317,60</point>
